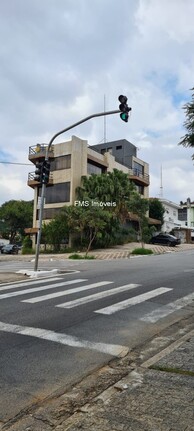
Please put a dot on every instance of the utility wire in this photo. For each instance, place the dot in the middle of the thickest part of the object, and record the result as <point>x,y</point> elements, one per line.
<point>13,163</point>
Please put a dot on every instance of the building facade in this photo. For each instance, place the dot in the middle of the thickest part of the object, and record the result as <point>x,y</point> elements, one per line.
<point>178,218</point>
<point>186,215</point>
<point>171,215</point>
<point>73,159</point>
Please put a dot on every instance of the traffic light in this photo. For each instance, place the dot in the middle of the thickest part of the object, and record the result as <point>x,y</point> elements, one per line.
<point>46,171</point>
<point>124,108</point>
<point>38,172</point>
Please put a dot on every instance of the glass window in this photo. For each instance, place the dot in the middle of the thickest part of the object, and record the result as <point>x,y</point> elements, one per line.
<point>138,169</point>
<point>48,213</point>
<point>61,162</point>
<point>140,189</point>
<point>182,214</point>
<point>56,193</point>
<point>119,147</point>
<point>94,169</point>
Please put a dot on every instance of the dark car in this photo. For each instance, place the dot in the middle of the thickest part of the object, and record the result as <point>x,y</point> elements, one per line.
<point>10,249</point>
<point>165,239</point>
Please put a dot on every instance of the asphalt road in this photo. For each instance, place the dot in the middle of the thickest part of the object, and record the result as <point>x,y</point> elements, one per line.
<point>55,331</point>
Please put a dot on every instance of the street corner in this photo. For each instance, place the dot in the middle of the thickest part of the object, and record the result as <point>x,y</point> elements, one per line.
<point>38,274</point>
<point>9,277</point>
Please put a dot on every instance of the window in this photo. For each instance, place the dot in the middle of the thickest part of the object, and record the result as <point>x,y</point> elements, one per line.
<point>140,189</point>
<point>48,213</point>
<point>138,169</point>
<point>182,214</point>
<point>93,168</point>
<point>57,193</point>
<point>119,147</point>
<point>62,162</point>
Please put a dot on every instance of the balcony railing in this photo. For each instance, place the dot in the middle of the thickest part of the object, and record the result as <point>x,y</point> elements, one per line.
<point>33,183</point>
<point>137,175</point>
<point>39,150</point>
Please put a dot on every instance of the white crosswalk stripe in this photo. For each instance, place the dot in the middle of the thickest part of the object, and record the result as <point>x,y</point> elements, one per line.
<point>24,283</point>
<point>67,292</point>
<point>38,289</point>
<point>65,339</point>
<point>96,296</point>
<point>167,309</point>
<point>132,301</point>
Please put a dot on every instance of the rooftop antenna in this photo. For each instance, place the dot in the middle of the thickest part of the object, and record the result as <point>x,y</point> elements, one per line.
<point>104,119</point>
<point>161,186</point>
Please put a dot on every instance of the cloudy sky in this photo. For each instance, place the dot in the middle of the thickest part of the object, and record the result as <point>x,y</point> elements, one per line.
<point>61,59</point>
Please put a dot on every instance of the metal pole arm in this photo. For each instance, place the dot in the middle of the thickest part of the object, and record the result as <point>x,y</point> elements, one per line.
<point>100,114</point>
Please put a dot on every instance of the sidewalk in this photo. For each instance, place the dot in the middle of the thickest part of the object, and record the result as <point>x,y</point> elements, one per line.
<point>130,394</point>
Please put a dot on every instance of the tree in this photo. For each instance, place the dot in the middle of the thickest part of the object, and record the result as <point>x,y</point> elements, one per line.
<point>55,232</point>
<point>188,139</point>
<point>111,187</point>
<point>156,210</point>
<point>16,216</point>
<point>89,222</point>
<point>139,206</point>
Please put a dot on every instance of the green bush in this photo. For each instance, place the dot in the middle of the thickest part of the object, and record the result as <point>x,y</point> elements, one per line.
<point>26,250</point>
<point>79,256</point>
<point>27,242</point>
<point>142,251</point>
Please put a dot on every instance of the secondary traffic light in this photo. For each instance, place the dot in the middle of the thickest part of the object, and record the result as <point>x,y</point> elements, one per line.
<point>46,171</point>
<point>124,108</point>
<point>38,172</point>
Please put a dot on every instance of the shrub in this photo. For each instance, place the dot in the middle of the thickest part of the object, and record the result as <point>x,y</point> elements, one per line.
<point>27,242</point>
<point>142,251</point>
<point>26,250</point>
<point>79,256</point>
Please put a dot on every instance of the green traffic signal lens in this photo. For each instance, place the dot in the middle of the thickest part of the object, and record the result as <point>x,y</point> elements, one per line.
<point>124,116</point>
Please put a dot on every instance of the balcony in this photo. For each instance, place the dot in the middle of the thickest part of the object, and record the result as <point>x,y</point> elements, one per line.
<point>138,177</point>
<point>33,183</point>
<point>38,152</point>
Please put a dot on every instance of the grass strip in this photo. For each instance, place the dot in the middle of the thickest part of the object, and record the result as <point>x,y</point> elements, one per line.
<point>172,370</point>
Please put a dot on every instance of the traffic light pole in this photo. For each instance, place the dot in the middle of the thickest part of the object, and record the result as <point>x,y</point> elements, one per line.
<point>100,114</point>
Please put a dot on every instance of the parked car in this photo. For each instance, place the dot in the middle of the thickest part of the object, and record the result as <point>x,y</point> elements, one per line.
<point>1,245</point>
<point>165,239</point>
<point>10,249</point>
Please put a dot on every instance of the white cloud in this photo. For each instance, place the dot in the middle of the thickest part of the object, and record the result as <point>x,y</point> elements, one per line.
<point>59,59</point>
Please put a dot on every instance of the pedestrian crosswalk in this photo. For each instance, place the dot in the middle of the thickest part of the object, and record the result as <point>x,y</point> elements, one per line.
<point>133,301</point>
<point>51,290</point>
<point>96,296</point>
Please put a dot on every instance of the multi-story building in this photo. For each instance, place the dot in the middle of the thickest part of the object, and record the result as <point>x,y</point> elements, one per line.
<point>171,215</point>
<point>73,159</point>
<point>186,215</point>
<point>179,219</point>
<point>125,154</point>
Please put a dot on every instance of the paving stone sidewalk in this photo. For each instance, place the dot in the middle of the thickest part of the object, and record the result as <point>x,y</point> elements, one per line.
<point>157,395</point>
<point>159,398</point>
